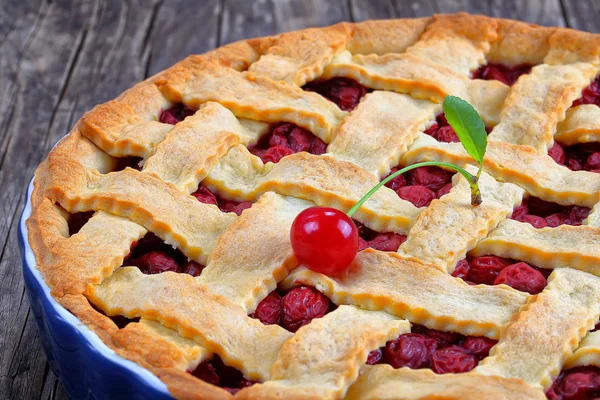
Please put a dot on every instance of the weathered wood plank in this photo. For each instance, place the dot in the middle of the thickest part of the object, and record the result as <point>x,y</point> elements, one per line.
<point>180,28</point>
<point>362,10</point>
<point>66,65</point>
<point>582,14</point>
<point>34,68</point>
<point>543,12</point>
<point>244,19</point>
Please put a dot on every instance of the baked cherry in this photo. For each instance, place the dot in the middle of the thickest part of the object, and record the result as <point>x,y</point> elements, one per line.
<point>452,359</point>
<point>576,384</point>
<point>192,268</point>
<point>374,357</point>
<point>324,239</point>
<point>485,269</point>
<point>461,270</point>
<point>522,277</point>
<point>269,309</point>
<point>156,262</point>
<point>301,305</point>
<point>207,372</point>
<point>410,350</point>
<point>479,346</point>
<point>557,153</point>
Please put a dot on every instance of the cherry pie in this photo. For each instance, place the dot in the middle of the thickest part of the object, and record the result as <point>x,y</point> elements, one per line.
<point>162,221</point>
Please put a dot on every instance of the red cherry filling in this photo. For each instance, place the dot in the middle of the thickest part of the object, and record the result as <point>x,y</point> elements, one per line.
<point>420,186</point>
<point>153,256</point>
<point>580,157</point>
<point>269,310</point>
<point>382,241</point>
<point>119,320</point>
<point>78,220</point>
<point>503,73</point>
<point>541,214</point>
<point>443,352</point>
<point>296,308</point>
<point>284,140</point>
<point>579,383</point>
<point>590,95</point>
<point>175,114</point>
<point>301,305</point>
<point>452,359</point>
<point>344,92</point>
<point>494,270</point>
<point>206,196</point>
<point>216,373</point>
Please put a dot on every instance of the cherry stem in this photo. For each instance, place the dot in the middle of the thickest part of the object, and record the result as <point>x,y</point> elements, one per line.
<point>473,182</point>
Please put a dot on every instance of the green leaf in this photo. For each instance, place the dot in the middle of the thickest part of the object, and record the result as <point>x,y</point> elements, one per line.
<point>468,125</point>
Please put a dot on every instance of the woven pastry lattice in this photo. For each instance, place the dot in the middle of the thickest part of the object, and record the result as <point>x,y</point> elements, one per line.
<point>239,90</point>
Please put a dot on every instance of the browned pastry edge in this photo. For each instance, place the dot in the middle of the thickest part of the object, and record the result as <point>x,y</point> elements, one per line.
<point>49,222</point>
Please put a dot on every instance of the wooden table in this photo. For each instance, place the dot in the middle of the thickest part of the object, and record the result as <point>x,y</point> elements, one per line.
<point>60,58</point>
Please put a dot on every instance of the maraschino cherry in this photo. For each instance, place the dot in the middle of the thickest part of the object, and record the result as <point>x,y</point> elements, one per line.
<point>324,239</point>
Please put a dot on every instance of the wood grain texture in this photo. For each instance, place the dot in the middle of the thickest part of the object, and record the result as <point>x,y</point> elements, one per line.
<point>60,58</point>
<point>582,14</point>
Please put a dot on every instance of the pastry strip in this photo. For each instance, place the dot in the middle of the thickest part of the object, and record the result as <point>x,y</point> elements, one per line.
<point>298,59</point>
<point>538,101</point>
<point>255,252</point>
<point>378,132</point>
<point>568,307</point>
<point>251,96</point>
<point>417,292</point>
<point>446,230</point>
<point>177,218</point>
<point>210,320</point>
<point>563,246</point>
<point>323,180</point>
<point>588,352</point>
<point>382,382</point>
<point>537,173</point>
<point>581,125</point>
<point>175,350</point>
<point>324,357</point>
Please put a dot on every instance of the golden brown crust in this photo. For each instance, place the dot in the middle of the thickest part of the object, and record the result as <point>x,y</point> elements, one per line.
<point>260,79</point>
<point>385,383</point>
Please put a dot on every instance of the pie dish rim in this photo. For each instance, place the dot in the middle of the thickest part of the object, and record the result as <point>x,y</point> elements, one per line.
<point>90,346</point>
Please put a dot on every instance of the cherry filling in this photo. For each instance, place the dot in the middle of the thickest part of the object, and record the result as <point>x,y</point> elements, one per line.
<point>420,186</point>
<point>503,73</point>
<point>580,383</point>
<point>206,196</point>
<point>382,241</point>
<point>78,220</point>
<point>584,156</point>
<point>541,214</point>
<point>128,162</point>
<point>175,114</point>
<point>494,270</point>
<point>590,95</point>
<point>443,352</point>
<point>216,373</point>
<point>119,320</point>
<point>294,308</point>
<point>443,132</point>
<point>153,256</point>
<point>344,92</point>
<point>286,139</point>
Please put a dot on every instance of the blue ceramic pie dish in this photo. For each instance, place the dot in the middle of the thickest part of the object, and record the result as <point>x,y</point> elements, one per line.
<point>86,366</point>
